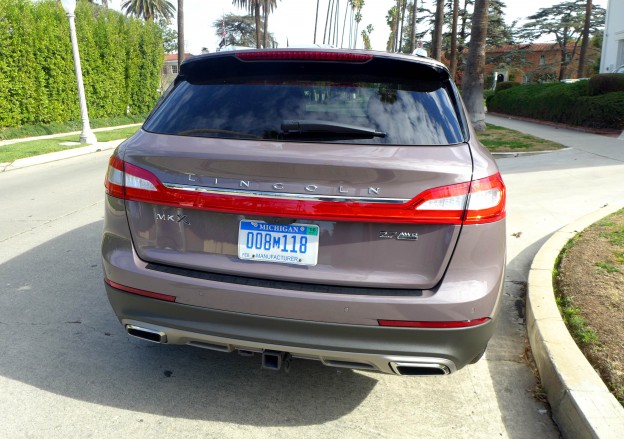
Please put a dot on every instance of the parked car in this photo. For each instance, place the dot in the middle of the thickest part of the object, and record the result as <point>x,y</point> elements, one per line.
<point>326,204</point>
<point>619,69</point>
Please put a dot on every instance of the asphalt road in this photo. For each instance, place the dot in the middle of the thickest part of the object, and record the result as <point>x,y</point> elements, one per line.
<point>67,369</point>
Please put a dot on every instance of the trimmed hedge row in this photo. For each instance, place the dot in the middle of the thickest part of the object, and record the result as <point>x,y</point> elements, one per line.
<point>563,103</point>
<point>606,83</point>
<point>121,61</point>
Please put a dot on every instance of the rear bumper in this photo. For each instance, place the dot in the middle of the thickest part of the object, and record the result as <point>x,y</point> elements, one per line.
<point>385,349</point>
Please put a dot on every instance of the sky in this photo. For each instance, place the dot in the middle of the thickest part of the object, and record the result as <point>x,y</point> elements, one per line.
<point>293,21</point>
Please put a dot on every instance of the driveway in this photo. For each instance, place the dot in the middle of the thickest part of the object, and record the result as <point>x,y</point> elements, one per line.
<point>68,369</point>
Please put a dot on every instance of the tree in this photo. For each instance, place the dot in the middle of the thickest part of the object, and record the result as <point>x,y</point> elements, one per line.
<point>566,22</point>
<point>412,41</point>
<point>169,36</point>
<point>268,6</point>
<point>240,30</point>
<point>180,32</point>
<point>366,36</point>
<point>586,26</point>
<point>253,6</point>
<point>148,9</point>
<point>453,67</point>
<point>498,33</point>
<point>472,86</point>
<point>436,43</point>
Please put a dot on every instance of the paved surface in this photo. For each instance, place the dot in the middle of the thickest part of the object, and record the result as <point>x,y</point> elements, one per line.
<point>67,368</point>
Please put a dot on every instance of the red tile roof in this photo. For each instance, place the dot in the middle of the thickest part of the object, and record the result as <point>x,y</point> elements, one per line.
<point>174,56</point>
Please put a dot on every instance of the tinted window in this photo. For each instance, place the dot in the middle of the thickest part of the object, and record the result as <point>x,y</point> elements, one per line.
<point>419,112</point>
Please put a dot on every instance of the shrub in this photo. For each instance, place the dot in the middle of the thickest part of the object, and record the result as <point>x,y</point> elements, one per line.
<point>562,103</point>
<point>121,60</point>
<point>606,83</point>
<point>505,85</point>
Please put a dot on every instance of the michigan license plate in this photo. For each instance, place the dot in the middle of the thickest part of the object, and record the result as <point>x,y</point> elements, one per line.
<point>281,243</point>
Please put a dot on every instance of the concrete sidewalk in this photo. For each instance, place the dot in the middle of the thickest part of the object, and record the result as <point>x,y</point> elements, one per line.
<point>596,144</point>
<point>581,404</point>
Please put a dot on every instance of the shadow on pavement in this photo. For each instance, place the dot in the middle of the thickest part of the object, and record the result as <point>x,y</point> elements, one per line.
<point>510,366</point>
<point>58,333</point>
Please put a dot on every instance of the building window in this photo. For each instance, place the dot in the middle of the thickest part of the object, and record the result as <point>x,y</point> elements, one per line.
<point>525,79</point>
<point>542,60</point>
<point>174,69</point>
<point>568,57</point>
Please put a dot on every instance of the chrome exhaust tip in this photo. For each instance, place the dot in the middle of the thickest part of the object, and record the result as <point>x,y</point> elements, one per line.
<point>146,334</point>
<point>420,369</point>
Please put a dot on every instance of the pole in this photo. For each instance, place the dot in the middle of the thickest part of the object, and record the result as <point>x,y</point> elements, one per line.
<point>87,135</point>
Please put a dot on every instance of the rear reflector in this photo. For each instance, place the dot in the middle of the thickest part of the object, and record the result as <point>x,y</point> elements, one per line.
<point>303,55</point>
<point>478,202</point>
<point>158,296</point>
<point>410,324</point>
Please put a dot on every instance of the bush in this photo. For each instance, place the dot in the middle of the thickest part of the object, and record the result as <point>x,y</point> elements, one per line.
<point>563,103</point>
<point>606,83</point>
<point>505,85</point>
<point>121,60</point>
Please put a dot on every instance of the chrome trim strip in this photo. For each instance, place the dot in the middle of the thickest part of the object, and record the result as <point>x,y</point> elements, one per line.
<point>284,195</point>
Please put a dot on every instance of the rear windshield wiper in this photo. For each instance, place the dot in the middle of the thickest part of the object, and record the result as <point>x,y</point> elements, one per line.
<point>304,126</point>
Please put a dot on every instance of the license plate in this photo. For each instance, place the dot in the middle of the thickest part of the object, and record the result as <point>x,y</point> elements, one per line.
<point>280,243</point>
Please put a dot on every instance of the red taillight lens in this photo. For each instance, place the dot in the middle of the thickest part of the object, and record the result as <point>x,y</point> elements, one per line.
<point>159,296</point>
<point>484,200</point>
<point>479,202</point>
<point>303,55</point>
<point>433,325</point>
<point>123,179</point>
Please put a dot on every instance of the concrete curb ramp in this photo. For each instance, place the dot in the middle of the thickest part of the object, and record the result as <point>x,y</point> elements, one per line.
<point>581,404</point>
<point>59,155</point>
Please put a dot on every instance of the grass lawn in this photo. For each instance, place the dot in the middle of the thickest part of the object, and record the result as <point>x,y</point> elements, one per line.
<point>22,150</point>
<point>499,139</point>
<point>495,138</point>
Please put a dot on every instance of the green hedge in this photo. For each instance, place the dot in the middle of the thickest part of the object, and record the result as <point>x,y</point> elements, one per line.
<point>562,103</point>
<point>506,85</point>
<point>606,83</point>
<point>121,61</point>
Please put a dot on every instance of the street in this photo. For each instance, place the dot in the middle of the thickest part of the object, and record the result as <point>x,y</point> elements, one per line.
<point>68,369</point>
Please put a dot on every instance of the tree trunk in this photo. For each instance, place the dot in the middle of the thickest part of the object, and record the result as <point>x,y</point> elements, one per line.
<point>403,7</point>
<point>413,30</point>
<point>257,16</point>
<point>472,87</point>
<point>180,32</point>
<point>454,39</point>
<point>436,52</point>
<point>265,37</point>
<point>328,25</point>
<point>581,65</point>
<point>316,21</point>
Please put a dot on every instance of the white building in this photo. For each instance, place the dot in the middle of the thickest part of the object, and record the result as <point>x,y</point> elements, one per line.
<point>613,42</point>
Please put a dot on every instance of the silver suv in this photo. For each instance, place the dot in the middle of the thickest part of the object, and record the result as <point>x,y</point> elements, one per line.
<point>317,204</point>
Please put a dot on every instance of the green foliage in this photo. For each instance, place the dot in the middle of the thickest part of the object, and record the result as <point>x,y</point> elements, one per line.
<point>562,103</point>
<point>505,85</point>
<point>121,60</point>
<point>606,83</point>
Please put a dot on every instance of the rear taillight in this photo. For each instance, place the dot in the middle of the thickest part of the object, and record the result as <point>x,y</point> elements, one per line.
<point>303,55</point>
<point>481,201</point>
<point>123,178</point>
<point>433,325</point>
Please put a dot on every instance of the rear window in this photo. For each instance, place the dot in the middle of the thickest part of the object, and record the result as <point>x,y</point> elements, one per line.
<point>257,102</point>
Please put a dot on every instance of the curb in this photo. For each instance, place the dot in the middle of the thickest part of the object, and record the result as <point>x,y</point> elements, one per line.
<point>505,155</point>
<point>59,155</point>
<point>582,406</point>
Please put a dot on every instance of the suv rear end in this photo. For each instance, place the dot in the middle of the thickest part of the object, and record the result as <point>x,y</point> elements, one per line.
<point>327,205</point>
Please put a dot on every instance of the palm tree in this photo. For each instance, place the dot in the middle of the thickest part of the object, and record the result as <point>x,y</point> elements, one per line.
<point>316,21</point>
<point>472,87</point>
<point>268,6</point>
<point>180,32</point>
<point>148,9</point>
<point>253,6</point>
